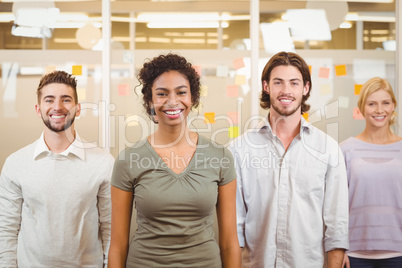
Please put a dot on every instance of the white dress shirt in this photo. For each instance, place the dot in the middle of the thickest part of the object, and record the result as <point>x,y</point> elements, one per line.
<point>55,209</point>
<point>292,205</point>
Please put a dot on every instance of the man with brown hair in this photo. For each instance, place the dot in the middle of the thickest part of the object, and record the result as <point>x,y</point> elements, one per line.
<point>292,196</point>
<point>55,206</point>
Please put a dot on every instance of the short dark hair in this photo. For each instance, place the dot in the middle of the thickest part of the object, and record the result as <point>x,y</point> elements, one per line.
<point>285,58</point>
<point>57,77</point>
<point>152,69</point>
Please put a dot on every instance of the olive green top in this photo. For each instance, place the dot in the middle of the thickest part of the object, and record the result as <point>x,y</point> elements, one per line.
<point>175,212</point>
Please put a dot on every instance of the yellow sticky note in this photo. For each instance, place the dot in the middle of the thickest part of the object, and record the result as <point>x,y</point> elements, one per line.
<point>340,70</point>
<point>325,89</point>
<point>233,132</point>
<point>234,117</point>
<point>305,116</point>
<point>77,70</point>
<point>203,91</point>
<point>238,63</point>
<point>357,89</point>
<point>310,68</point>
<point>82,94</point>
<point>357,115</point>
<point>209,118</point>
<point>323,72</point>
<point>232,90</point>
<point>240,79</point>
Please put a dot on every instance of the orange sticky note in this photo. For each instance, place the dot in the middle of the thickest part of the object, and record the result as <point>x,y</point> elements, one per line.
<point>340,70</point>
<point>197,69</point>
<point>305,116</point>
<point>123,90</point>
<point>233,132</point>
<point>357,114</point>
<point>209,118</point>
<point>238,63</point>
<point>323,72</point>
<point>77,70</point>
<point>310,68</point>
<point>232,91</point>
<point>233,117</point>
<point>357,89</point>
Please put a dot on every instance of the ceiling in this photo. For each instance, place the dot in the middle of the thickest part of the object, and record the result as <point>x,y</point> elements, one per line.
<point>129,8</point>
<point>239,6</point>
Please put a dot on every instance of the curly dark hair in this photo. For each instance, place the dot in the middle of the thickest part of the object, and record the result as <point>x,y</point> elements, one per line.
<point>285,58</point>
<point>57,77</point>
<point>152,69</point>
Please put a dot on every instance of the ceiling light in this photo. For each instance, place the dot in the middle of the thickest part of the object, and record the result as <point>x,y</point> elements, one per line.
<point>35,32</point>
<point>345,25</point>
<point>35,14</point>
<point>166,17</point>
<point>7,17</point>
<point>72,17</point>
<point>73,25</point>
<point>189,17</point>
<point>309,24</point>
<point>178,24</point>
<point>371,16</point>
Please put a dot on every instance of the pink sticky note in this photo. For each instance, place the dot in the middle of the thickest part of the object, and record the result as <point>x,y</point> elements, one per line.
<point>123,90</point>
<point>232,91</point>
<point>238,63</point>
<point>233,117</point>
<point>356,114</point>
<point>324,72</point>
<point>197,69</point>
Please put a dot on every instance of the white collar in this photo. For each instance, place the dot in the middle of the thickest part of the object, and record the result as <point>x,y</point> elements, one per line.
<point>76,148</point>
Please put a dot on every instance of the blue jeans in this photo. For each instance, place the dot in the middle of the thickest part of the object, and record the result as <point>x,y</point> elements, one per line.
<point>376,263</point>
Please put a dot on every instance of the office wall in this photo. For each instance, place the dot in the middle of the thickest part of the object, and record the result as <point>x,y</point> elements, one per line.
<point>226,93</point>
<point>224,75</point>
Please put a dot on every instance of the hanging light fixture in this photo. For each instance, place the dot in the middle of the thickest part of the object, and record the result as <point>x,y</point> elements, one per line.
<point>34,19</point>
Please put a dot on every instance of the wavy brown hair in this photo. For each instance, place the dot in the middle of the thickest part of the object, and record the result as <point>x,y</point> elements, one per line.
<point>286,58</point>
<point>57,77</point>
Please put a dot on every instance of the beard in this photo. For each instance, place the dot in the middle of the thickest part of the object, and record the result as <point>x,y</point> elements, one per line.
<point>68,122</point>
<point>283,111</point>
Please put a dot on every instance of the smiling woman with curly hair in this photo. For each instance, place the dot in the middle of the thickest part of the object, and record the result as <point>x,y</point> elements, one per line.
<point>176,179</point>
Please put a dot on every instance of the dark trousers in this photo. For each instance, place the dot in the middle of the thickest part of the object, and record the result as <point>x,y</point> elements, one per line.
<point>376,263</point>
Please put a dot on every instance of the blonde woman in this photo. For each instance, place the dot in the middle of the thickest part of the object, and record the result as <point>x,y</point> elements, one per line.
<point>374,166</point>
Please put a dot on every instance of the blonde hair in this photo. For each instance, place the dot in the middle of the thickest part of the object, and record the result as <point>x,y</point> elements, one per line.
<point>371,86</point>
